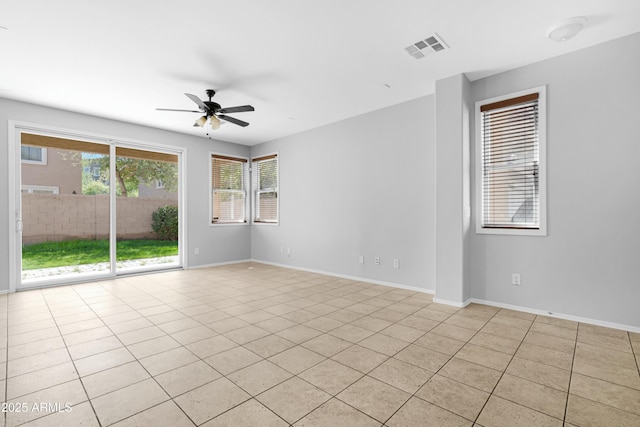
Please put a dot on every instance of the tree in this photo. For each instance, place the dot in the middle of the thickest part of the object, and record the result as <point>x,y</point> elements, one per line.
<point>130,173</point>
<point>268,174</point>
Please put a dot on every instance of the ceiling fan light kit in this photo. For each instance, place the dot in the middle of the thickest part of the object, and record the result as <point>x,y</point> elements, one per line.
<point>213,112</point>
<point>201,121</point>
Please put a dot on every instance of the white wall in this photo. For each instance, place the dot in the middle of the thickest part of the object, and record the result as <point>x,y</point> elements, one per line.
<point>216,244</point>
<point>362,186</point>
<point>452,190</point>
<point>589,264</point>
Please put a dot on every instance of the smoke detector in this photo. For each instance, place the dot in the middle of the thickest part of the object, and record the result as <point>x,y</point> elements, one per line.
<point>427,46</point>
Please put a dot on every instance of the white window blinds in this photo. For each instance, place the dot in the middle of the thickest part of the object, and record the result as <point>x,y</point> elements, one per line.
<point>510,160</point>
<point>265,187</point>
<point>228,182</point>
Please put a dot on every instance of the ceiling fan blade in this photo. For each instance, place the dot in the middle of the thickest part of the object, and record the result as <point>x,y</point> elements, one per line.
<point>171,109</point>
<point>233,120</point>
<point>239,109</point>
<point>198,101</point>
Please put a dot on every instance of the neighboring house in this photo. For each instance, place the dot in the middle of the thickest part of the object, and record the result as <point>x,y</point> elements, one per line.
<point>92,168</point>
<point>156,190</point>
<point>57,171</point>
<point>50,171</point>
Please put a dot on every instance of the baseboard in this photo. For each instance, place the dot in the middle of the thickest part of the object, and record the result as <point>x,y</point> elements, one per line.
<point>218,264</point>
<point>346,276</point>
<point>538,312</point>
<point>443,301</point>
<point>452,303</point>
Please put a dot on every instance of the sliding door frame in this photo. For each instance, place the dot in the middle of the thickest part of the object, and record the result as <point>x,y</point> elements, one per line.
<point>15,129</point>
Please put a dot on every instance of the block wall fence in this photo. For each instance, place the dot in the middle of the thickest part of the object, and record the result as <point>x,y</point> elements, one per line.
<point>59,217</point>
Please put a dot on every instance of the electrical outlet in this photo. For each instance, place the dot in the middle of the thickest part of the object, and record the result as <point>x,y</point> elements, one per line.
<point>288,252</point>
<point>396,263</point>
<point>515,279</point>
<point>376,260</point>
<point>196,251</point>
<point>361,259</point>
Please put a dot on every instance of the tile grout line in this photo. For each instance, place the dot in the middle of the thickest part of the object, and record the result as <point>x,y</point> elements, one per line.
<point>284,289</point>
<point>124,346</point>
<point>636,357</point>
<point>297,375</point>
<point>71,358</point>
<point>391,302</point>
<point>222,375</point>
<point>354,321</point>
<point>335,396</point>
<point>115,335</point>
<point>364,301</point>
<point>601,379</point>
<point>505,370</point>
<point>252,397</point>
<point>357,343</point>
<point>136,360</point>
<point>299,344</point>
<point>435,373</point>
<point>573,361</point>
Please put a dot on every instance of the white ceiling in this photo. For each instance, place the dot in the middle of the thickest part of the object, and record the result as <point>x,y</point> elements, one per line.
<point>300,63</point>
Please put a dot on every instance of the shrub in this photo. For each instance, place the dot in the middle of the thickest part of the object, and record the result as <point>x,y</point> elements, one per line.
<point>164,222</point>
<point>94,187</point>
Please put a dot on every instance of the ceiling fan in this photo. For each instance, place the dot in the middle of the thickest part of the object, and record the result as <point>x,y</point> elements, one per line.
<point>213,111</point>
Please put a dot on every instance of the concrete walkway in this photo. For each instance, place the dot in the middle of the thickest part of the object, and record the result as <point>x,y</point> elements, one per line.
<point>99,268</point>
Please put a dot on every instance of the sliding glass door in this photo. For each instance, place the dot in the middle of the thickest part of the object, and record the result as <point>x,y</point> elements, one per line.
<point>146,210</point>
<point>65,209</point>
<point>91,209</point>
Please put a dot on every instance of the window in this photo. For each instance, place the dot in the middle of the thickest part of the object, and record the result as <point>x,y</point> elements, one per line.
<point>510,172</point>
<point>33,155</point>
<point>265,189</point>
<point>40,189</point>
<point>228,189</point>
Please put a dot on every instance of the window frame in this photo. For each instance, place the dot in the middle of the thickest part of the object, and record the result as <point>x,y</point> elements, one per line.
<point>39,189</point>
<point>245,188</point>
<point>541,230</point>
<point>255,188</point>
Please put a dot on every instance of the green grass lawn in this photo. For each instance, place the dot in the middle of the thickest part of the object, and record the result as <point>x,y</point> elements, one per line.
<point>76,252</point>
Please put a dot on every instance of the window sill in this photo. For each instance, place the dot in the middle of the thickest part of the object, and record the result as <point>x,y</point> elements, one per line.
<point>512,231</point>
<point>265,223</point>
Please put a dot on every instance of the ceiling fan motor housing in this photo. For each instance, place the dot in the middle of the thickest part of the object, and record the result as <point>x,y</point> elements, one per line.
<point>213,106</point>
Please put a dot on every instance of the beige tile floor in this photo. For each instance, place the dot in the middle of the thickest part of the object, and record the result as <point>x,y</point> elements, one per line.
<point>256,345</point>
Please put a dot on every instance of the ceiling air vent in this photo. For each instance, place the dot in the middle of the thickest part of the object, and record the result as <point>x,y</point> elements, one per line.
<point>431,44</point>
